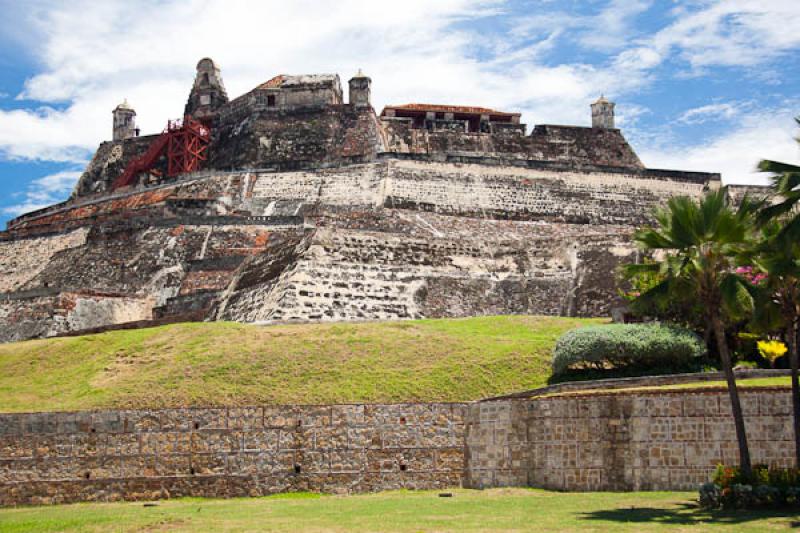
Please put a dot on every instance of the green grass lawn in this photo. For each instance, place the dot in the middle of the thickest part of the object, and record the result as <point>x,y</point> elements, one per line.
<point>217,363</point>
<point>467,510</point>
<point>751,383</point>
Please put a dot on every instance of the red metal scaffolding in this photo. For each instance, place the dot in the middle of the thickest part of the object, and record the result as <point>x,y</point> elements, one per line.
<point>185,143</point>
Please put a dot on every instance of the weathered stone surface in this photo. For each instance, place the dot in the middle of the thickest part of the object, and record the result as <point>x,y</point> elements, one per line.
<point>64,457</point>
<point>667,441</point>
<point>311,209</point>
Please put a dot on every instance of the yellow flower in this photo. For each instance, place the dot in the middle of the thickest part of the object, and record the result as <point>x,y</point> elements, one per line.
<point>771,350</point>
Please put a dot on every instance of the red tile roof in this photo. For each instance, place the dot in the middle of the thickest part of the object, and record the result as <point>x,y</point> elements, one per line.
<point>273,83</point>
<point>449,109</point>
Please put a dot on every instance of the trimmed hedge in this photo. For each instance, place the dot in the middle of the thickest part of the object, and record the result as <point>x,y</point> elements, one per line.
<point>626,345</point>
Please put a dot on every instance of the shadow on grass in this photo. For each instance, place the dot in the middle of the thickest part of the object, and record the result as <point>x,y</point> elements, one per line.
<point>688,514</point>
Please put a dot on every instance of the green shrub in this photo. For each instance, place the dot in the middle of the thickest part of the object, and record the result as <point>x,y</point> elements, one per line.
<point>641,345</point>
<point>766,487</point>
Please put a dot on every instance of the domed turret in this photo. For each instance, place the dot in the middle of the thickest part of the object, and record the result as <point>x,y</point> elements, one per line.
<point>603,113</point>
<point>360,86</point>
<point>124,122</point>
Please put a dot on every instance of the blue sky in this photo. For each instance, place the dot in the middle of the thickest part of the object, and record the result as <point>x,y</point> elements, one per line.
<point>699,85</point>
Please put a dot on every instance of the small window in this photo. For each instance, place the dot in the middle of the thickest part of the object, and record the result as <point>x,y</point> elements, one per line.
<point>270,100</point>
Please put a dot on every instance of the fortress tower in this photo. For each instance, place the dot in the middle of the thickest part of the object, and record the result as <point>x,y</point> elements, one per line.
<point>360,86</point>
<point>208,92</point>
<point>124,122</point>
<point>603,113</point>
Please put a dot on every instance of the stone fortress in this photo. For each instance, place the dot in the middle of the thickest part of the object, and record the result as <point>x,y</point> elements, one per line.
<point>288,204</point>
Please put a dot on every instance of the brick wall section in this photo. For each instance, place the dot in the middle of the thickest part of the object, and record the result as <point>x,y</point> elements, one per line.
<point>623,441</point>
<point>146,454</point>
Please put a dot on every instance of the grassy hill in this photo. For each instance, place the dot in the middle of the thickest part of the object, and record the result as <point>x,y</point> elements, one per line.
<point>221,363</point>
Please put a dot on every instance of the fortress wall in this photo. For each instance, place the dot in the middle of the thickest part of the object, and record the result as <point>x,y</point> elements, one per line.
<point>513,192</point>
<point>622,441</point>
<point>360,267</point>
<point>293,139</point>
<point>346,186</point>
<point>569,144</point>
<point>127,275</point>
<point>394,239</point>
<point>250,451</point>
<point>46,315</point>
<point>22,260</point>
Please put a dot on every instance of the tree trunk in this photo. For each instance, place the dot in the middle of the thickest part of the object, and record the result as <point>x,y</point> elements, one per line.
<point>793,362</point>
<point>736,406</point>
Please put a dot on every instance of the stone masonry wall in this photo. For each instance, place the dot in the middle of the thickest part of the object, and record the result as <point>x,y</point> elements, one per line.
<point>399,237</point>
<point>249,451</point>
<point>621,441</point>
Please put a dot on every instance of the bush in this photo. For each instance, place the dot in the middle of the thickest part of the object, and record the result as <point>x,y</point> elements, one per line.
<point>767,487</point>
<point>642,345</point>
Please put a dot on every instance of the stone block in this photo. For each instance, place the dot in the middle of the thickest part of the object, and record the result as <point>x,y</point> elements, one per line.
<point>364,437</point>
<point>330,438</point>
<point>451,459</point>
<point>261,440</point>
<point>122,444</point>
<point>775,403</point>
<point>343,461</point>
<point>17,447</point>
<point>209,418</point>
<point>134,466</point>
<point>215,441</point>
<point>178,420</point>
<point>704,454</point>
<point>39,423</point>
<point>208,463</point>
<point>177,442</point>
<point>701,405</point>
<point>10,424</point>
<point>82,422</point>
<point>748,400</point>
<point>141,421</point>
<point>245,417</point>
<point>347,415</point>
<point>100,422</point>
<point>666,454</point>
<point>686,429</point>
<point>401,437</point>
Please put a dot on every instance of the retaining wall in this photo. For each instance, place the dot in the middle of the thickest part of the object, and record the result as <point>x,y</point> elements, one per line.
<point>134,455</point>
<point>610,441</point>
<point>622,441</point>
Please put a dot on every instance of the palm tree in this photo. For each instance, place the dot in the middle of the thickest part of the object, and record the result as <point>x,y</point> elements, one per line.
<point>785,182</point>
<point>778,256</point>
<point>698,241</point>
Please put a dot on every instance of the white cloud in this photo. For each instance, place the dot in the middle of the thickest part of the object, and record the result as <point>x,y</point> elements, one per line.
<point>766,135</point>
<point>698,115</point>
<point>610,29</point>
<point>92,55</point>
<point>44,191</point>
<point>727,33</point>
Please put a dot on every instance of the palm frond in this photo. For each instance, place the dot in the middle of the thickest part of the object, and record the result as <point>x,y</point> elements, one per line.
<point>737,299</point>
